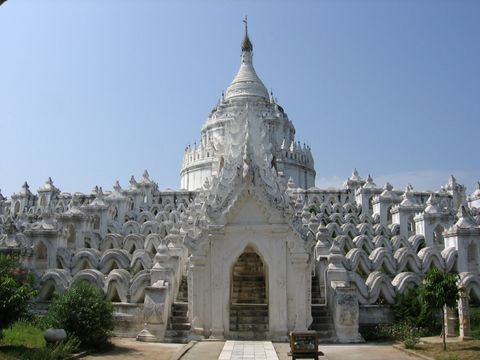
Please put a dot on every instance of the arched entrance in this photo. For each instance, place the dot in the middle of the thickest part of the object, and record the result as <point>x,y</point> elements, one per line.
<point>248,297</point>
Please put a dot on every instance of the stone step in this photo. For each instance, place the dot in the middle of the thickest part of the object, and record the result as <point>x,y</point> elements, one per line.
<point>325,337</point>
<point>248,314</point>
<point>179,313</point>
<point>176,336</point>
<point>249,319</point>
<point>248,309</point>
<point>182,298</point>
<point>179,319</point>
<point>246,302</point>
<point>183,290</point>
<point>249,289</point>
<point>254,306</point>
<point>179,309</point>
<point>247,335</point>
<point>320,327</point>
<point>249,327</point>
<point>254,283</point>
<point>321,320</point>
<point>249,295</point>
<point>179,326</point>
<point>320,314</point>
<point>248,271</point>
<point>180,305</point>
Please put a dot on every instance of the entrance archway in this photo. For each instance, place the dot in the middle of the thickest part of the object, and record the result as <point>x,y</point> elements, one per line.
<point>249,297</point>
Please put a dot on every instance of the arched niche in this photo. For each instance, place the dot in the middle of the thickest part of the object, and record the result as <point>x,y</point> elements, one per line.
<point>72,236</point>
<point>249,295</point>
<point>41,256</point>
<point>16,208</point>
<point>96,222</point>
<point>438,239</point>
<point>472,257</point>
<point>43,200</point>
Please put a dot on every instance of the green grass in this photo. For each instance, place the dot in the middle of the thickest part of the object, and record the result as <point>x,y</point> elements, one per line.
<point>23,334</point>
<point>24,341</point>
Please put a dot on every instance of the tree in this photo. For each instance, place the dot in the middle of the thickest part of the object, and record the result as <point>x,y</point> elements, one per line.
<point>441,291</point>
<point>84,313</point>
<point>16,290</point>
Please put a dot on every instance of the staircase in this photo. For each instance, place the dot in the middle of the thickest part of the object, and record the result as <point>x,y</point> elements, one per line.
<point>178,327</point>
<point>322,320</point>
<point>318,298</point>
<point>248,321</point>
<point>249,308</point>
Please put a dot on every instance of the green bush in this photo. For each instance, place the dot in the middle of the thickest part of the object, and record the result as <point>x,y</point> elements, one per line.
<point>475,322</point>
<point>84,313</point>
<point>16,290</point>
<point>411,308</point>
<point>407,333</point>
<point>403,331</point>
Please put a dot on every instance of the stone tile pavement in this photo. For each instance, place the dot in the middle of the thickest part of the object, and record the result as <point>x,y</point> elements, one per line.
<point>248,350</point>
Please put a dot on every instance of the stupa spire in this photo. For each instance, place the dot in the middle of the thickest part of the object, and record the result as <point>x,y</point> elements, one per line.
<point>246,43</point>
<point>246,82</point>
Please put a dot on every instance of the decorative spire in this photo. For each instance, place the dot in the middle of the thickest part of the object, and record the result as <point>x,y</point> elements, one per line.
<point>133,182</point>
<point>146,175</point>
<point>246,43</point>
<point>117,186</point>
<point>388,186</point>
<point>465,219</point>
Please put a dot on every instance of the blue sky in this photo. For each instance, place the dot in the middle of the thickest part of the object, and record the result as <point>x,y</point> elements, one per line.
<point>95,91</point>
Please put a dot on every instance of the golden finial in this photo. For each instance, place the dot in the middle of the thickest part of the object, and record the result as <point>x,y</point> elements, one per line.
<point>246,44</point>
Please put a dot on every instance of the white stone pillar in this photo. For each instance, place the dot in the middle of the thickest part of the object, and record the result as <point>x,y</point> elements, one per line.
<point>464,317</point>
<point>450,321</point>
<point>197,288</point>
<point>345,313</point>
<point>300,267</point>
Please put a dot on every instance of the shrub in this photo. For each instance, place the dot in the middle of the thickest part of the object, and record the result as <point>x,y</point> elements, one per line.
<point>402,331</point>
<point>411,307</point>
<point>15,290</point>
<point>475,322</point>
<point>407,333</point>
<point>84,313</point>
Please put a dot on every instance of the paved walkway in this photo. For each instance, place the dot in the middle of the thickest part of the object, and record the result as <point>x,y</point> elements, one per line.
<point>248,350</point>
<point>351,352</point>
<point>127,349</point>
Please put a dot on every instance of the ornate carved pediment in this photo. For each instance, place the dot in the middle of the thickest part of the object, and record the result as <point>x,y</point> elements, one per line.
<point>248,174</point>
